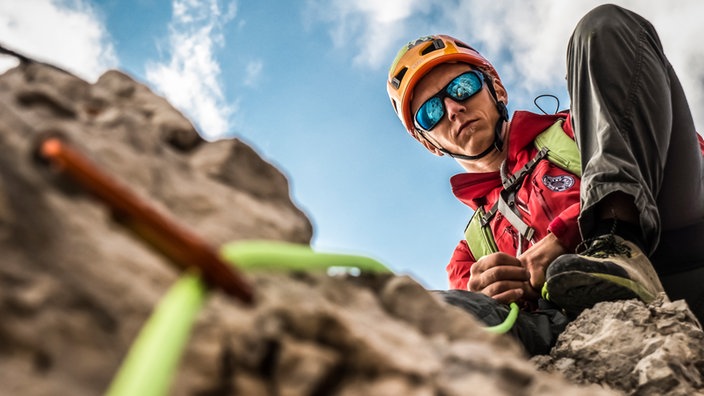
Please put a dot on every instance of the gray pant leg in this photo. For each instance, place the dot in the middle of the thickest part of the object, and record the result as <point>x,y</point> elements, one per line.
<point>633,125</point>
<point>537,330</point>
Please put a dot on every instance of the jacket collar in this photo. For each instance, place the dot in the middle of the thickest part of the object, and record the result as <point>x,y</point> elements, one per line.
<point>471,188</point>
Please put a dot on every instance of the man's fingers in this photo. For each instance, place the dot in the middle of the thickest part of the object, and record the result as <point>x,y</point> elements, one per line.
<point>509,296</point>
<point>499,288</point>
<point>503,273</point>
<point>495,260</point>
<point>481,280</point>
<point>537,279</point>
<point>508,292</point>
<point>529,293</point>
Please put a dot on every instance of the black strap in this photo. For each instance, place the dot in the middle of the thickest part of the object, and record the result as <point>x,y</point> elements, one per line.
<point>511,183</point>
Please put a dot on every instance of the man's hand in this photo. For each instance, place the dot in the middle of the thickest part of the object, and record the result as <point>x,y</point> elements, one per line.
<point>537,258</point>
<point>502,277</point>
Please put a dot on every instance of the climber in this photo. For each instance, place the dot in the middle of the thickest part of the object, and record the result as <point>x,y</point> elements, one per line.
<point>546,224</point>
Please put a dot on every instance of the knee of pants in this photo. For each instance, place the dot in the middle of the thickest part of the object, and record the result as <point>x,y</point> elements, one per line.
<point>606,22</point>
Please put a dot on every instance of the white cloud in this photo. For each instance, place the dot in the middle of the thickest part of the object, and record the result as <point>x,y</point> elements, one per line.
<point>190,79</point>
<point>369,28</point>
<point>253,72</point>
<point>530,36</point>
<point>69,34</point>
<point>535,34</point>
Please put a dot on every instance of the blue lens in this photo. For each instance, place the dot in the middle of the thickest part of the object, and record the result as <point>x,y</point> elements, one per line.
<point>464,86</point>
<point>459,89</point>
<point>430,113</point>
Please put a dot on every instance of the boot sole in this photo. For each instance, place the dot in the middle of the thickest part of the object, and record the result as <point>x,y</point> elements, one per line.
<point>575,291</point>
<point>571,262</point>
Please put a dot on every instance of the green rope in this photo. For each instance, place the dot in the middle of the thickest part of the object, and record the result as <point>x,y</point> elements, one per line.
<point>278,256</point>
<point>153,358</point>
<point>508,323</point>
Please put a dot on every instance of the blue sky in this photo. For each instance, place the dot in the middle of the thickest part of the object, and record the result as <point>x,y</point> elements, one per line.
<point>304,83</point>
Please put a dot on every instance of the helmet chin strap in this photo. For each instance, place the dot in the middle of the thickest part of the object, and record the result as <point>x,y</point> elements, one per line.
<point>497,144</point>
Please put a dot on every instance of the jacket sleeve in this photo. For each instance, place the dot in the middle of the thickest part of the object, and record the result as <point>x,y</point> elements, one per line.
<point>566,228</point>
<point>460,263</point>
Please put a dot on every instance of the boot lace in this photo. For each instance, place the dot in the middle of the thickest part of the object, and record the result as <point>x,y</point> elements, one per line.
<point>603,246</point>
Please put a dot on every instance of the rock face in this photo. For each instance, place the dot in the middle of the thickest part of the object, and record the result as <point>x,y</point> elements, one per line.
<point>314,335</point>
<point>638,349</point>
<point>75,287</point>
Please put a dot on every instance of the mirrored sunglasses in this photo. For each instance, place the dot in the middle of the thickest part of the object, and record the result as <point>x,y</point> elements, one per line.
<point>459,89</point>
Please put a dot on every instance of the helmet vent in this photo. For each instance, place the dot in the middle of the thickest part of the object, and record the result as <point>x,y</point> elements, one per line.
<point>434,46</point>
<point>463,45</point>
<point>396,82</point>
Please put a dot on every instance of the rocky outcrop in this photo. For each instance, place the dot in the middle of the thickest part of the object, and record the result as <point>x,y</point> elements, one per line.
<point>316,335</point>
<point>75,287</point>
<point>638,349</point>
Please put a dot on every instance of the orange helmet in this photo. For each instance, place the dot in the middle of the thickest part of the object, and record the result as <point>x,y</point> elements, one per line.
<point>416,59</point>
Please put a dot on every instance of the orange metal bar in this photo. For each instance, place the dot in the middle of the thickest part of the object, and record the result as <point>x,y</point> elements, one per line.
<point>183,247</point>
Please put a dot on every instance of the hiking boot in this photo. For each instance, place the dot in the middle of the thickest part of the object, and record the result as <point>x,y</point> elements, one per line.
<point>609,268</point>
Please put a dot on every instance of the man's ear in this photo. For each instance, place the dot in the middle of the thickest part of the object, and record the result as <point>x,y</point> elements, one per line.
<point>501,93</point>
<point>428,144</point>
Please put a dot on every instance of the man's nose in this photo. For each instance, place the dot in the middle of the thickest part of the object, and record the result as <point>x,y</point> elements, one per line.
<point>454,108</point>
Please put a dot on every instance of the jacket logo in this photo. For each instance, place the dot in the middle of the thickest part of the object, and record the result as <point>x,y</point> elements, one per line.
<point>558,183</point>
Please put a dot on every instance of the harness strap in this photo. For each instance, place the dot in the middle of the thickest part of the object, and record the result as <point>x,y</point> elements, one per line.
<point>485,218</point>
<point>524,230</point>
<point>554,145</point>
<point>511,184</point>
<point>479,238</point>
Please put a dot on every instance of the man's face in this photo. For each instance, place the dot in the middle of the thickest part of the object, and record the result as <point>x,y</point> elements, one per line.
<point>467,127</point>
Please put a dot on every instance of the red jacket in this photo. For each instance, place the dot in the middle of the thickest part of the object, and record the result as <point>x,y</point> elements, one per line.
<point>548,198</point>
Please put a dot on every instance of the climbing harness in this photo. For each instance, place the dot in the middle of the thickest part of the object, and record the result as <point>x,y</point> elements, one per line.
<point>556,147</point>
<point>553,145</point>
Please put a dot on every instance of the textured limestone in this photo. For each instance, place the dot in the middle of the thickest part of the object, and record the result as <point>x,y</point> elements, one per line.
<point>638,349</point>
<point>75,287</point>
